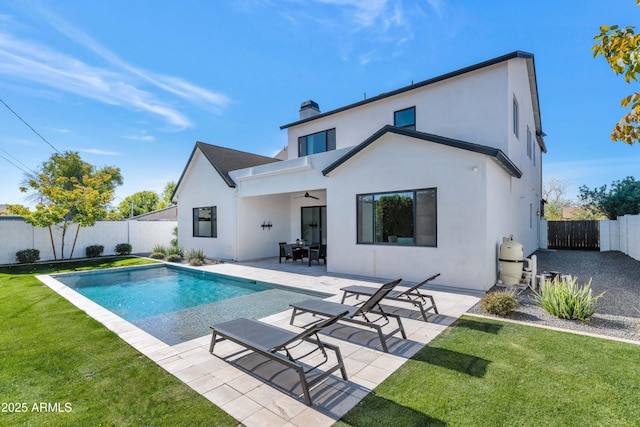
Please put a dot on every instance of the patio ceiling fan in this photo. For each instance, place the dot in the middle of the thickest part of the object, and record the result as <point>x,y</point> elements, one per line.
<point>307,195</point>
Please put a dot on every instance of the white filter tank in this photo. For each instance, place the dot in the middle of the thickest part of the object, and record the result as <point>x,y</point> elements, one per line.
<point>511,261</point>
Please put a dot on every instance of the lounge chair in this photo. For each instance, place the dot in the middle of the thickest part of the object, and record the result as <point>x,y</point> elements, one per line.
<point>359,315</point>
<point>276,344</point>
<point>411,295</point>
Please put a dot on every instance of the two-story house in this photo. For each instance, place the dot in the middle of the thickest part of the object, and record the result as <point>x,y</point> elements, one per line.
<point>425,179</point>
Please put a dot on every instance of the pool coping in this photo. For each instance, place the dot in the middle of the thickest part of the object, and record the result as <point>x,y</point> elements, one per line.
<point>257,403</point>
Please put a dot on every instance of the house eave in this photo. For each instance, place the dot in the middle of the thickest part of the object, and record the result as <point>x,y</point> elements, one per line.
<point>471,68</point>
<point>497,154</point>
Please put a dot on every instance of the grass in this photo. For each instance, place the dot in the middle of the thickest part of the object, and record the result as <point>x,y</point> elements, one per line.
<point>53,353</point>
<point>491,373</point>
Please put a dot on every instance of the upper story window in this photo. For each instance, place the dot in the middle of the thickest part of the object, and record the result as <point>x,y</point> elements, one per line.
<point>205,222</point>
<point>515,117</point>
<point>529,143</point>
<point>317,142</point>
<point>405,118</point>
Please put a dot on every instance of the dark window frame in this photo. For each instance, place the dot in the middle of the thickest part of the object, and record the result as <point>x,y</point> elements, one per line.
<point>412,125</point>
<point>330,142</point>
<point>414,238</point>
<point>213,218</point>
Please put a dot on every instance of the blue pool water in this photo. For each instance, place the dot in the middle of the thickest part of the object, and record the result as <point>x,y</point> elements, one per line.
<point>176,304</point>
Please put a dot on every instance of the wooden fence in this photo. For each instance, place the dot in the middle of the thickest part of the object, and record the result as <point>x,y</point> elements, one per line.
<point>578,235</point>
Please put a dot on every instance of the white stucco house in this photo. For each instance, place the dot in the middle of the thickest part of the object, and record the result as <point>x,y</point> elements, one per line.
<point>424,179</point>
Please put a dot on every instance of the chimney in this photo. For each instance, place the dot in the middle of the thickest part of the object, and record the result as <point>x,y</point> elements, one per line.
<point>309,109</point>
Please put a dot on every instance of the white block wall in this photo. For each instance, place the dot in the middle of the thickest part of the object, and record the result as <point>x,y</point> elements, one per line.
<point>621,235</point>
<point>16,235</point>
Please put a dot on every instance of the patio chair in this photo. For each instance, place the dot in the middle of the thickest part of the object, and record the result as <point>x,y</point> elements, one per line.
<point>277,344</point>
<point>411,295</point>
<point>360,315</point>
<point>317,253</point>
<point>293,253</point>
<point>283,253</point>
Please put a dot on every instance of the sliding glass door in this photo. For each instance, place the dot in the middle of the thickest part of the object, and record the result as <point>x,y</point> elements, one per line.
<point>314,225</point>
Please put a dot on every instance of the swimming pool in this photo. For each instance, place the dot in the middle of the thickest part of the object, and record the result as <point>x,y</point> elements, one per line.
<point>177,304</point>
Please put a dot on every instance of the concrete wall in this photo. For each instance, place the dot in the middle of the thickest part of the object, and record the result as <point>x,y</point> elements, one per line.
<point>621,235</point>
<point>16,235</point>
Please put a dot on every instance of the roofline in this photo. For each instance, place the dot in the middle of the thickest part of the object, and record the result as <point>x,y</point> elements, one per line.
<point>490,62</point>
<point>184,171</point>
<point>175,190</point>
<point>496,153</point>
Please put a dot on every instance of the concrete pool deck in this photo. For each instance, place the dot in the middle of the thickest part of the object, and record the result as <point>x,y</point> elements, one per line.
<point>258,392</point>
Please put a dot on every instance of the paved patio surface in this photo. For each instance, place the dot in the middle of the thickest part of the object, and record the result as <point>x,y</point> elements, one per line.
<point>260,392</point>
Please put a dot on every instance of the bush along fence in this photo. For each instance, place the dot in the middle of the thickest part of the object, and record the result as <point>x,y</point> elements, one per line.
<point>35,242</point>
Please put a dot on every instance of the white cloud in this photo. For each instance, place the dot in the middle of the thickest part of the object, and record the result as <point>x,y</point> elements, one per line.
<point>146,138</point>
<point>121,84</point>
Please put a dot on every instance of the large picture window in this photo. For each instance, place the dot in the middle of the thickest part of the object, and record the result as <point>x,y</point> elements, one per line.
<point>317,143</point>
<point>398,218</point>
<point>205,222</point>
<point>405,118</point>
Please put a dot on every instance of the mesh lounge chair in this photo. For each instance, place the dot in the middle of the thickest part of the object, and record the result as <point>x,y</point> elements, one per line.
<point>277,343</point>
<point>360,315</point>
<point>411,295</point>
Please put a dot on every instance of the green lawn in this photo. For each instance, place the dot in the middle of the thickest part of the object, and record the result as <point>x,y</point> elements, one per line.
<point>51,353</point>
<point>491,373</point>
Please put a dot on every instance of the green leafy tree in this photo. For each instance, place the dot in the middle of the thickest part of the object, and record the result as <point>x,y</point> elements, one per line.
<point>69,191</point>
<point>621,48</point>
<point>138,203</point>
<point>623,198</point>
<point>166,201</point>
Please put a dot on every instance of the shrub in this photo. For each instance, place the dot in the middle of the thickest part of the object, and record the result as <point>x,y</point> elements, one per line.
<point>177,250</point>
<point>94,251</point>
<point>565,299</point>
<point>195,257</point>
<point>500,303</point>
<point>27,256</point>
<point>159,248</point>
<point>174,258</point>
<point>157,255</point>
<point>123,249</point>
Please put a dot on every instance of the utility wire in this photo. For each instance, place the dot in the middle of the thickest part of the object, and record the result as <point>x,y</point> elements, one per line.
<point>18,166</point>
<point>17,160</point>
<point>29,126</point>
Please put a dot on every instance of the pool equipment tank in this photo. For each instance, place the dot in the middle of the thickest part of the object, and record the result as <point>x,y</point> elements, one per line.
<point>511,260</point>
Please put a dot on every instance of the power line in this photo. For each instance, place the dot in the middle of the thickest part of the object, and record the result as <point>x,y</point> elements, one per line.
<point>17,160</point>
<point>30,127</point>
<point>19,167</point>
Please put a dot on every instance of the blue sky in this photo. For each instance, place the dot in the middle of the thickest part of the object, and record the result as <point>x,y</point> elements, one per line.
<point>134,84</point>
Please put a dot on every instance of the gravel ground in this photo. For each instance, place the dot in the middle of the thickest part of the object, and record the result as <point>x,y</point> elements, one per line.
<point>613,273</point>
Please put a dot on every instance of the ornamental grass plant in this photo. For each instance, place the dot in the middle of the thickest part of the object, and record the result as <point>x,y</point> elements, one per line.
<point>565,299</point>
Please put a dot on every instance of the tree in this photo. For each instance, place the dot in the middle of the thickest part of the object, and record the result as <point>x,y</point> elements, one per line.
<point>554,193</point>
<point>622,199</point>
<point>68,191</point>
<point>621,49</point>
<point>166,201</point>
<point>138,203</point>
